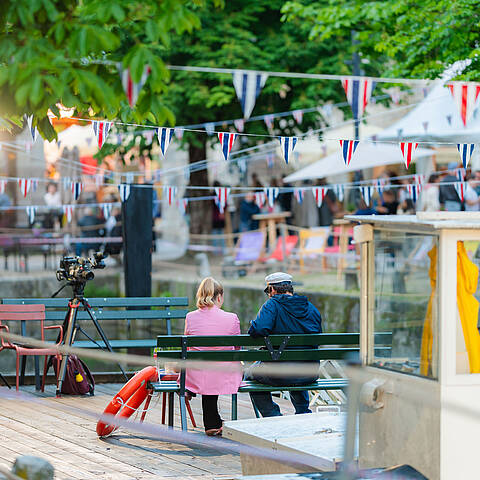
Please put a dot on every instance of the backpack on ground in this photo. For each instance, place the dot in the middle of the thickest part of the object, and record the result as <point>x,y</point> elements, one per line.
<point>78,378</point>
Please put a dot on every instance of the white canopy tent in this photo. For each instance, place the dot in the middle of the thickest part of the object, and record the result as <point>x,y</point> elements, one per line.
<point>367,155</point>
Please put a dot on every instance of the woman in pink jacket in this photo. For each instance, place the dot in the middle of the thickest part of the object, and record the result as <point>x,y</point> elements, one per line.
<point>210,319</point>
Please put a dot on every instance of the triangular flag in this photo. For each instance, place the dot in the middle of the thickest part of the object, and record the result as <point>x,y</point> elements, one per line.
<point>67,183</point>
<point>460,188</point>
<point>380,185</point>
<point>465,95</point>
<point>260,199</point>
<point>129,177</point>
<point>132,89</point>
<point>460,173</point>
<point>239,124</point>
<point>31,210</point>
<point>164,138</point>
<point>268,119</point>
<point>449,119</point>
<point>408,149</point>
<point>3,184</point>
<point>413,191</point>
<point>34,184</point>
<point>107,210</point>
<point>298,116</point>
<point>209,128</point>
<point>425,126</point>
<point>77,188</point>
<point>101,130</point>
<point>222,197</point>
<point>358,94</point>
<point>170,193</point>
<point>124,191</point>
<point>465,150</point>
<point>348,149</point>
<point>226,142</point>
<point>287,145</point>
<point>419,178</point>
<point>179,133</point>
<point>68,212</point>
<point>248,86</point>
<point>25,185</point>
<point>298,194</point>
<point>182,205</point>
<point>148,136</point>
<point>319,195</point>
<point>271,193</point>
<point>367,194</point>
<point>339,192</point>
<point>33,130</point>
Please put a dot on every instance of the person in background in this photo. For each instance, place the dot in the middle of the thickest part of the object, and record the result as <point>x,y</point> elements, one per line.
<point>53,200</point>
<point>448,197</point>
<point>284,312</point>
<point>210,319</point>
<point>256,181</point>
<point>329,207</point>
<point>305,213</point>
<point>364,209</point>
<point>471,196</point>
<point>430,196</point>
<point>389,204</point>
<point>285,198</point>
<point>87,223</point>
<point>248,208</point>
<point>477,181</point>
<point>407,207</point>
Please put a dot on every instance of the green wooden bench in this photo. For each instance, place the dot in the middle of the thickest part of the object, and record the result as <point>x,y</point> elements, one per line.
<point>325,346</point>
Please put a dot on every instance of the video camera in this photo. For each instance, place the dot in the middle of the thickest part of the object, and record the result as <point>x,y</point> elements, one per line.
<point>79,269</point>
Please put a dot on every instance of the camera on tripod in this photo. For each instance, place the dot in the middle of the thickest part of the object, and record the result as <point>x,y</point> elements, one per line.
<point>79,269</point>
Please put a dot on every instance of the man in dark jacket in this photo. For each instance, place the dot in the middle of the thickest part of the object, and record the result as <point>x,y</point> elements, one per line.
<point>284,312</point>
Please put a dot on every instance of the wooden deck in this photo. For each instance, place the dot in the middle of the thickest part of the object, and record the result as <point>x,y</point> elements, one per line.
<point>70,443</point>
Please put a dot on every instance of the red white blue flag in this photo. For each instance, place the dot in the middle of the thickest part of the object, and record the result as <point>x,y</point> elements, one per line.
<point>260,199</point>
<point>298,194</point>
<point>298,116</point>
<point>164,138</point>
<point>124,191</point>
<point>348,149</point>
<point>182,205</point>
<point>380,185</point>
<point>271,193</point>
<point>68,212</point>
<point>131,88</point>
<point>367,192</point>
<point>358,94</point>
<point>222,197</point>
<point>465,150</point>
<point>106,210</point>
<point>408,149</point>
<point>268,119</point>
<point>465,95</point>
<point>414,191</point>
<point>31,210</point>
<point>170,194</point>
<point>77,188</point>
<point>460,174</point>
<point>179,133</point>
<point>239,124</point>
<point>34,184</point>
<point>33,130</point>
<point>25,184</point>
<point>248,86</point>
<point>226,142</point>
<point>319,195</point>
<point>101,130</point>
<point>339,192</point>
<point>460,187</point>
<point>287,145</point>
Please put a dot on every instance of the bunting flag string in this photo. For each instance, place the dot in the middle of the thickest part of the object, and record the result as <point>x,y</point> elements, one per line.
<point>419,178</point>
<point>68,212</point>
<point>170,193</point>
<point>380,185</point>
<point>466,151</point>
<point>101,130</point>
<point>3,184</point>
<point>298,116</point>
<point>31,210</point>
<point>124,191</point>
<point>339,191</point>
<point>106,210</point>
<point>460,188</point>
<point>222,197</point>
<point>287,145</point>
<point>319,195</point>
<point>367,194</point>
<point>271,194</point>
<point>34,184</point>
<point>408,149</point>
<point>348,149</point>
<point>465,95</point>
<point>298,194</point>
<point>260,199</point>
<point>33,130</point>
<point>77,188</point>
<point>210,128</point>
<point>226,142</point>
<point>414,191</point>
<point>248,86</point>
<point>358,94</point>
<point>164,138</point>
<point>25,185</point>
<point>131,88</point>
<point>239,124</point>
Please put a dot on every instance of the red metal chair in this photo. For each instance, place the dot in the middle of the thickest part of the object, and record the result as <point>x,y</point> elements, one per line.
<point>23,314</point>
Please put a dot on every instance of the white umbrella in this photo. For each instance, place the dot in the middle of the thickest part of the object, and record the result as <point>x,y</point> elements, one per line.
<point>367,155</point>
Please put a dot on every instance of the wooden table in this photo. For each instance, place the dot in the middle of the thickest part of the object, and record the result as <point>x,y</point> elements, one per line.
<point>268,222</point>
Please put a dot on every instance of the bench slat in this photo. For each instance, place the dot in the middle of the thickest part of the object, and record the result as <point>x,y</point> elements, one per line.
<point>106,302</point>
<point>120,314</point>
<point>116,344</point>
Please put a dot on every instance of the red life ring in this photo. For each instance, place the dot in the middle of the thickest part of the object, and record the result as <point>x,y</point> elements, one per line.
<point>130,397</point>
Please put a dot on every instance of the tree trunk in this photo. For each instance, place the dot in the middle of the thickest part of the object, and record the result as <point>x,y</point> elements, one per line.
<point>200,211</point>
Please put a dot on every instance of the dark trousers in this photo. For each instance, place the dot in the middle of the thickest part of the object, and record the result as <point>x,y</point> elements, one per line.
<point>211,417</point>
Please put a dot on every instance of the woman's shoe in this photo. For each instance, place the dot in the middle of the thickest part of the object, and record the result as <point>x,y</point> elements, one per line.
<point>214,432</point>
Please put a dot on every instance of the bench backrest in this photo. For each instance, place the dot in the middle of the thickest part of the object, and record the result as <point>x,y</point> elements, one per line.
<point>121,308</point>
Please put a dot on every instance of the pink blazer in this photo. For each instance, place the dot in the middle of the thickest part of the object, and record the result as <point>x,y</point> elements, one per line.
<point>212,321</point>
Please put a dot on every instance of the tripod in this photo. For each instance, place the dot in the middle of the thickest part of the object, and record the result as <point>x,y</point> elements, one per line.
<point>71,326</point>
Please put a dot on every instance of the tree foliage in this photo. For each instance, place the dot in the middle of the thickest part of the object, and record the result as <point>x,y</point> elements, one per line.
<point>66,51</point>
<point>420,39</point>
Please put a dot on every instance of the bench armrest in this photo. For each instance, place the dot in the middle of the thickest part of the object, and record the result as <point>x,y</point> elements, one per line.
<point>60,327</point>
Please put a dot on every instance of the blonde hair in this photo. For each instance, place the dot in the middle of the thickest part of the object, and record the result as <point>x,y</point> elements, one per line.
<point>208,290</point>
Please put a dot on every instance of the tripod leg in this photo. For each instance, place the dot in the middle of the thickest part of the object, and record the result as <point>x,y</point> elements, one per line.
<point>4,380</point>
<point>102,333</point>
<point>70,320</point>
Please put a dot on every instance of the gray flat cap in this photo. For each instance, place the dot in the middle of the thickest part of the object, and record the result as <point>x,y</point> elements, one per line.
<point>276,278</point>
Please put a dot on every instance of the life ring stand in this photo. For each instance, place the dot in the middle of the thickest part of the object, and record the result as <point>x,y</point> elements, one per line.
<point>130,397</point>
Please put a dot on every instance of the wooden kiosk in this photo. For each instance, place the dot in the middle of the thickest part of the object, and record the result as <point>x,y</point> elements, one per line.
<point>421,403</point>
